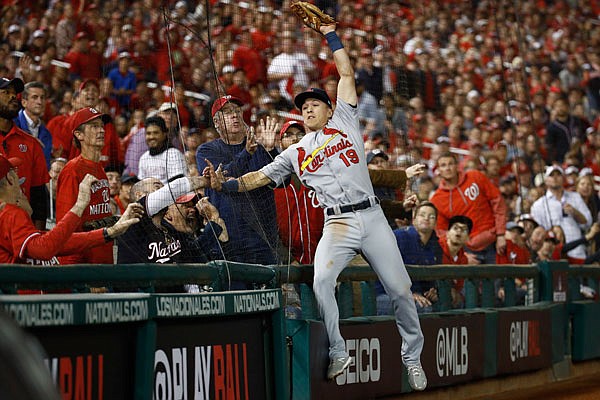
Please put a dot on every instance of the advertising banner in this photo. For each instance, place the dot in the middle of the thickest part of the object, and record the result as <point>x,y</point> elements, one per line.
<point>376,369</point>
<point>524,340</point>
<point>214,359</point>
<point>91,362</point>
<point>454,348</point>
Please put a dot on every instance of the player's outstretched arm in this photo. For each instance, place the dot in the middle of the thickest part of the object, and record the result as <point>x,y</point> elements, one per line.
<point>346,86</point>
<point>324,24</point>
<point>245,183</point>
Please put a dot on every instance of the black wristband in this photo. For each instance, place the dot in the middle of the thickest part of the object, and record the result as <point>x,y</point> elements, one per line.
<point>107,238</point>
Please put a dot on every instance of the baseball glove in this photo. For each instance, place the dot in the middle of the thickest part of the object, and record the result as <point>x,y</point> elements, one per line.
<point>311,15</point>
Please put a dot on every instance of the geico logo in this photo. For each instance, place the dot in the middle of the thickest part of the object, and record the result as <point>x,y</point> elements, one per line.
<point>452,355</point>
<point>366,362</point>
<point>524,339</point>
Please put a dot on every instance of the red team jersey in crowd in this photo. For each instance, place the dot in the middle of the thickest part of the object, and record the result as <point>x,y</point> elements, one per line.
<point>459,259</point>
<point>18,143</point>
<point>514,254</point>
<point>62,134</point>
<point>300,221</point>
<point>22,243</point>
<point>99,207</point>
<point>476,197</point>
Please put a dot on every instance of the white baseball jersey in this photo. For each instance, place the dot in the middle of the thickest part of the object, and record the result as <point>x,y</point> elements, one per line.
<point>331,161</point>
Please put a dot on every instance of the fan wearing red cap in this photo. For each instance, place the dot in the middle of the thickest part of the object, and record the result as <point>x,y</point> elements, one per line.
<point>88,135</point>
<point>291,132</point>
<point>21,242</point>
<point>14,142</point>
<point>239,151</point>
<point>299,218</point>
<point>62,127</point>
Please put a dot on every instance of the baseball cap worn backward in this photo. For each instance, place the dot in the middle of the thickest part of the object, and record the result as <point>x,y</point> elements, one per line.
<point>16,83</point>
<point>221,101</point>
<point>312,93</point>
<point>290,124</point>
<point>6,164</point>
<point>86,115</point>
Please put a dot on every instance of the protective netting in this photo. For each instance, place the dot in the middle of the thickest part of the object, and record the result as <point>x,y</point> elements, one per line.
<point>477,78</point>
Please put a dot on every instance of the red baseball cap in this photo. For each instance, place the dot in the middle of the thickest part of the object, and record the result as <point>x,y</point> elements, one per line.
<point>186,198</point>
<point>87,82</point>
<point>86,115</point>
<point>81,35</point>
<point>6,164</point>
<point>289,124</point>
<point>221,101</point>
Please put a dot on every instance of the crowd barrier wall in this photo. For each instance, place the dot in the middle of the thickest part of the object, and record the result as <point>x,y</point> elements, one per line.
<point>224,344</point>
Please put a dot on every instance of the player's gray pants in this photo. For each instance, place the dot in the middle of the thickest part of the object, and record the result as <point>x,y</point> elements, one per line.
<point>369,232</point>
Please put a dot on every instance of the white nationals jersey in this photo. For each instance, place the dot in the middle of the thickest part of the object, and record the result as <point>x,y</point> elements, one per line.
<point>331,161</point>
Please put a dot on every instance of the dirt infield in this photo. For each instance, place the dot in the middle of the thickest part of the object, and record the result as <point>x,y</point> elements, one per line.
<point>566,381</point>
<point>584,388</point>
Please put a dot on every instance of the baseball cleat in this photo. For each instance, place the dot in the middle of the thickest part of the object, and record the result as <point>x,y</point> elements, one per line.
<point>337,366</point>
<point>416,377</point>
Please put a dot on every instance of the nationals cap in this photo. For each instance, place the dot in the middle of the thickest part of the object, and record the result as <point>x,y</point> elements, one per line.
<point>221,101</point>
<point>16,83</point>
<point>290,124</point>
<point>86,115</point>
<point>6,164</point>
<point>312,93</point>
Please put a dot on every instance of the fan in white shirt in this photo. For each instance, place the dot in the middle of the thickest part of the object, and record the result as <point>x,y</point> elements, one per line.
<point>162,160</point>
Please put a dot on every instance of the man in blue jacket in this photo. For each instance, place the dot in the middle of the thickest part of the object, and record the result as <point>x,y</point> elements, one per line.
<point>33,100</point>
<point>250,217</point>
<point>419,245</point>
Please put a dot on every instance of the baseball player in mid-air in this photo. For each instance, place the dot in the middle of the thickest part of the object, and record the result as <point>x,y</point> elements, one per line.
<point>330,159</point>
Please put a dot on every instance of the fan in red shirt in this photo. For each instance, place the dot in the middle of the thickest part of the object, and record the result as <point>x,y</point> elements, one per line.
<point>516,253</point>
<point>21,242</point>
<point>299,219</point>
<point>249,59</point>
<point>453,252</point>
<point>473,195</point>
<point>88,96</point>
<point>85,61</point>
<point>88,132</point>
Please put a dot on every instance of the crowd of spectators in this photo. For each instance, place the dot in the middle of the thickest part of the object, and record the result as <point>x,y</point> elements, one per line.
<point>511,89</point>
